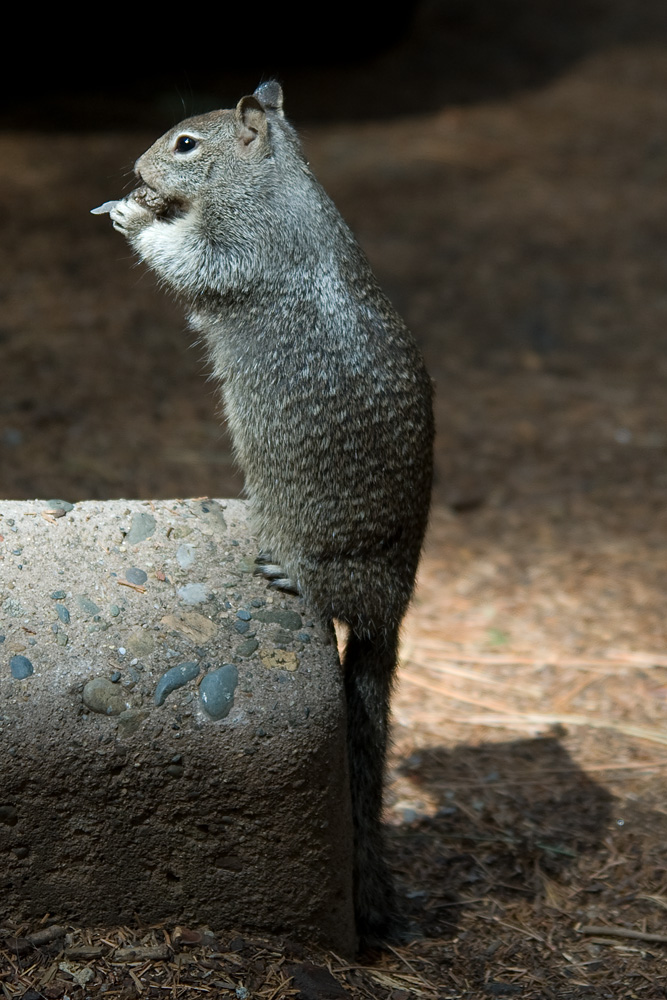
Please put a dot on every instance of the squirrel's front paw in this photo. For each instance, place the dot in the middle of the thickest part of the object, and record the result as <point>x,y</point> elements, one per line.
<point>130,216</point>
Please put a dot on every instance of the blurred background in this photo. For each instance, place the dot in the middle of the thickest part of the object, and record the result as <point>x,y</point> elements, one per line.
<point>503,164</point>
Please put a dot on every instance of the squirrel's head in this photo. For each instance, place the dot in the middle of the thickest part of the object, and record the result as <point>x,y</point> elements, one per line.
<point>215,148</point>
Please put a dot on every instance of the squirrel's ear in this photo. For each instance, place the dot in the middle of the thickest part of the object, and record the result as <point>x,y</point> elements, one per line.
<point>270,96</point>
<point>251,123</point>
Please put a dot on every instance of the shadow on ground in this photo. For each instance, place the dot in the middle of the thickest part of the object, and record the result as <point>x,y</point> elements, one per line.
<point>509,819</point>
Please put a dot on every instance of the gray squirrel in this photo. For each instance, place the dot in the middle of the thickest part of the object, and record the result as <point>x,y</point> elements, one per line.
<point>326,396</point>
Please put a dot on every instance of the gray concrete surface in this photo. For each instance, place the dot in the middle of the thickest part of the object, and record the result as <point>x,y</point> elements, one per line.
<point>172,733</point>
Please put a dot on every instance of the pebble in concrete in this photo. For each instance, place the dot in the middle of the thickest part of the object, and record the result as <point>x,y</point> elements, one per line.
<point>212,509</point>
<point>101,695</point>
<point>21,667</point>
<point>280,659</point>
<point>87,605</point>
<point>193,593</point>
<point>216,691</point>
<point>141,528</point>
<point>247,648</point>
<point>185,555</point>
<point>173,679</point>
<point>288,619</point>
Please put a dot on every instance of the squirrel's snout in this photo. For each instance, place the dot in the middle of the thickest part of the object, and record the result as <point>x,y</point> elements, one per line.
<point>140,174</point>
<point>139,166</point>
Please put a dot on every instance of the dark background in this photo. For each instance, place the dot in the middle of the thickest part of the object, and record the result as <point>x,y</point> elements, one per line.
<point>349,62</point>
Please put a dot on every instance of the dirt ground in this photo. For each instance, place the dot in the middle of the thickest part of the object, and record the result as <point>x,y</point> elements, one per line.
<point>523,235</point>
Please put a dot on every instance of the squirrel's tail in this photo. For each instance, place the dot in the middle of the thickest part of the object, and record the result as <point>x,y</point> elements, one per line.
<point>369,666</point>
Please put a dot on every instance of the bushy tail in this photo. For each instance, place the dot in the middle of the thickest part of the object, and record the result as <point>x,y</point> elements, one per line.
<point>369,666</point>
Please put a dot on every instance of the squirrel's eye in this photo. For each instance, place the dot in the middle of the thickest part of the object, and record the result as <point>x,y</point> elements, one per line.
<point>185,144</point>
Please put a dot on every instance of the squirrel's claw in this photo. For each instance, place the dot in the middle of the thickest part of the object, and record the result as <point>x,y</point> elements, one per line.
<point>275,574</point>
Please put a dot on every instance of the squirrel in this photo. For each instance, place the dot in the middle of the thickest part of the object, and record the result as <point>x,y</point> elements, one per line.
<point>326,396</point>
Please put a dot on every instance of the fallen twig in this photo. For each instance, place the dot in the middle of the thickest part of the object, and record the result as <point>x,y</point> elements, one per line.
<point>515,720</point>
<point>412,678</point>
<point>616,658</point>
<point>22,945</point>
<point>412,969</point>
<point>447,666</point>
<point>623,932</point>
<point>134,586</point>
<point>141,953</point>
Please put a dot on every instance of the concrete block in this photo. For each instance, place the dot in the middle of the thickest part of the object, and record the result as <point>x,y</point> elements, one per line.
<point>172,733</point>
